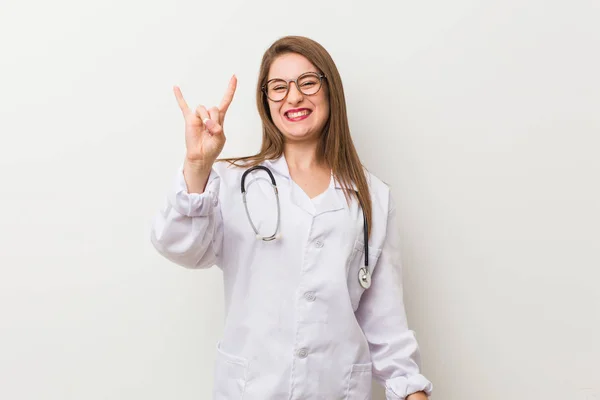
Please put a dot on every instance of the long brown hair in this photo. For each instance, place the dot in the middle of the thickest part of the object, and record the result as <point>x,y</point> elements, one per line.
<point>335,146</point>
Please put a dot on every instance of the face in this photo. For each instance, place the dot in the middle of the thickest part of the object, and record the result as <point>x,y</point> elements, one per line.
<point>298,117</point>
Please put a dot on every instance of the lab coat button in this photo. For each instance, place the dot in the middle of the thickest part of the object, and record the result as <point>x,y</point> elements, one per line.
<point>319,244</point>
<point>310,296</point>
<point>215,201</point>
<point>302,353</point>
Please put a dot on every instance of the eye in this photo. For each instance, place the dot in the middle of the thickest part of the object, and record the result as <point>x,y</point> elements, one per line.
<point>277,86</point>
<point>308,81</point>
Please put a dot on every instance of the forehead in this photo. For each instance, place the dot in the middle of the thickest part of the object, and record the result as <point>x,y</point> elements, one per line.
<point>290,66</point>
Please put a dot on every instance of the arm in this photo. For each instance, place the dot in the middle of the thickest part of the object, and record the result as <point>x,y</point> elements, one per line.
<point>189,229</point>
<point>381,314</point>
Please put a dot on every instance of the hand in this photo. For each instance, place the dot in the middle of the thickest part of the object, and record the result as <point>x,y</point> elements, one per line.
<point>204,136</point>
<point>417,396</point>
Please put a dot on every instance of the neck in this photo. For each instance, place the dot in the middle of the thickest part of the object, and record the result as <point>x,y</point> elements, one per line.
<point>302,156</point>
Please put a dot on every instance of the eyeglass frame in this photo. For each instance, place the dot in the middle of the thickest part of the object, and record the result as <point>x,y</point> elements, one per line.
<point>317,74</point>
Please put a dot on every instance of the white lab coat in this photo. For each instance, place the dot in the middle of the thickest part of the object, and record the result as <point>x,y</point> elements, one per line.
<point>298,323</point>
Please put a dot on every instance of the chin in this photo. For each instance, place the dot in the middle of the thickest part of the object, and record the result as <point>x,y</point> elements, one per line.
<point>299,135</point>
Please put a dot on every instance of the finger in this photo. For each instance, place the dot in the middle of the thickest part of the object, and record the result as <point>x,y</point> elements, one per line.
<point>180,100</point>
<point>212,124</point>
<point>214,114</point>
<point>228,96</point>
<point>213,127</point>
<point>202,113</point>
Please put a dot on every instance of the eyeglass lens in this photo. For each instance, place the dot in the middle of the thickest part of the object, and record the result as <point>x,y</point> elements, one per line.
<point>308,84</point>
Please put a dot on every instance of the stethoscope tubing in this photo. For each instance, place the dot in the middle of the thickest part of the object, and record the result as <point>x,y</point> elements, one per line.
<point>364,275</point>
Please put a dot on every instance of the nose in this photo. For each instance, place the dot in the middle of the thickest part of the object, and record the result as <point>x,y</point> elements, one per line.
<point>294,95</point>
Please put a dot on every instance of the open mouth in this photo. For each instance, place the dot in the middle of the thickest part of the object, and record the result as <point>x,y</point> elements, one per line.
<point>297,115</point>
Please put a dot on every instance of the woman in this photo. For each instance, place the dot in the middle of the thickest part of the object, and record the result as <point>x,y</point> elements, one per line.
<point>302,321</point>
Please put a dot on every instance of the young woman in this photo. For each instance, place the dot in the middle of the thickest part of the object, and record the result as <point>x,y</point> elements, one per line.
<point>306,241</point>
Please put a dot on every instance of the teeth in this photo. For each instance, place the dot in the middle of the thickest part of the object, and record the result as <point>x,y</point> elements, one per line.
<point>298,114</point>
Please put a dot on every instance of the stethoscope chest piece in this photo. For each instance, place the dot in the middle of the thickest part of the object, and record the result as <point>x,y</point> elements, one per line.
<point>364,277</point>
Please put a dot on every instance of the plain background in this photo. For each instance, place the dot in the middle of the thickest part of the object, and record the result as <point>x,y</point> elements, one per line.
<point>483,117</point>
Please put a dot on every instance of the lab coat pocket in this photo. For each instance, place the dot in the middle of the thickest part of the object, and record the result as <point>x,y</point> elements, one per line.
<point>359,382</point>
<point>357,261</point>
<point>230,376</point>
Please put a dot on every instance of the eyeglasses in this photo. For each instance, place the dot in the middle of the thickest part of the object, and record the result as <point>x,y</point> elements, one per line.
<point>308,84</point>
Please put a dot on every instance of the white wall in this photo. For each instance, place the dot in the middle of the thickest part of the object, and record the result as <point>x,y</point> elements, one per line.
<point>482,116</point>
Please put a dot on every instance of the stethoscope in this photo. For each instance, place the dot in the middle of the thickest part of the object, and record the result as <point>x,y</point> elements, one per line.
<point>364,275</point>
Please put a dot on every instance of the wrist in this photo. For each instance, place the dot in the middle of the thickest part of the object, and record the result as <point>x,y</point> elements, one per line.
<point>198,167</point>
<point>196,176</point>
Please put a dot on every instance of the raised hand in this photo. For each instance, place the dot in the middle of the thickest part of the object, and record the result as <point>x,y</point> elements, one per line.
<point>204,136</point>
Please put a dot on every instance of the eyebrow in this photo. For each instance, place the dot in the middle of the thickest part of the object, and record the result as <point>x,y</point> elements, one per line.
<point>314,72</point>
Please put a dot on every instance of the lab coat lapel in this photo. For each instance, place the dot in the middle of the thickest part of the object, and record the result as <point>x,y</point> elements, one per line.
<point>279,166</point>
<point>294,193</point>
<point>337,191</point>
<point>330,202</point>
<point>333,199</point>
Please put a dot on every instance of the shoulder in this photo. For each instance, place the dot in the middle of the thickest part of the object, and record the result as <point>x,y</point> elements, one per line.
<point>227,170</point>
<point>381,195</point>
<point>376,185</point>
<point>231,174</point>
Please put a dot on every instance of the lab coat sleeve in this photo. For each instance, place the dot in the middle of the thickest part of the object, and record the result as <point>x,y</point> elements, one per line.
<point>382,316</point>
<point>189,229</point>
